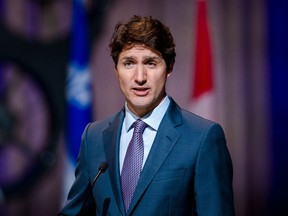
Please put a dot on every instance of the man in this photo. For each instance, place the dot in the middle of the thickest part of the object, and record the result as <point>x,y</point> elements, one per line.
<point>180,161</point>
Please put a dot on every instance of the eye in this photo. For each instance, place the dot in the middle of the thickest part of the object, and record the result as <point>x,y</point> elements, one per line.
<point>128,64</point>
<point>151,64</point>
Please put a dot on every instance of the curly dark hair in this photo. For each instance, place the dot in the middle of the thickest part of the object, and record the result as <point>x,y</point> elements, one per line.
<point>145,31</point>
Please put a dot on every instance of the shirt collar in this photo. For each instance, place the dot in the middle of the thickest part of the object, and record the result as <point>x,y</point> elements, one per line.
<point>152,119</point>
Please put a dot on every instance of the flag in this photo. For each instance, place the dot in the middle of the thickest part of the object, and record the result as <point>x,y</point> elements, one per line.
<point>202,92</point>
<point>78,90</point>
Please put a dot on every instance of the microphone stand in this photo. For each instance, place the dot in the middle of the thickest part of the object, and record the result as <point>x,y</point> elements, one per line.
<point>88,208</point>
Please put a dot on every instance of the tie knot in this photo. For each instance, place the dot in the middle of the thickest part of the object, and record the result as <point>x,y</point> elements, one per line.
<point>139,126</point>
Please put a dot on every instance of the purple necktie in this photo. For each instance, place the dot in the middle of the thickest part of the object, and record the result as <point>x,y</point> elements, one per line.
<point>132,163</point>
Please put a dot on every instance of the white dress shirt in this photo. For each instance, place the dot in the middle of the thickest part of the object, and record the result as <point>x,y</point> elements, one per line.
<point>152,119</point>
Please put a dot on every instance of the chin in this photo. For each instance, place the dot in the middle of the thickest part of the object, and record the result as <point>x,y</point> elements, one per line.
<point>140,103</point>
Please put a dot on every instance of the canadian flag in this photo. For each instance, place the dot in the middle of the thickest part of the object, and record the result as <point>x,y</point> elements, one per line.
<point>202,91</point>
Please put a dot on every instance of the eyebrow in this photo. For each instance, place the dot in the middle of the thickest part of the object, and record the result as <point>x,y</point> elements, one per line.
<point>145,58</point>
<point>127,58</point>
<point>152,58</point>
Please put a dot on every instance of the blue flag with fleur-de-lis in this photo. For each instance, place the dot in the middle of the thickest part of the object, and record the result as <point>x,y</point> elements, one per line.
<point>78,89</point>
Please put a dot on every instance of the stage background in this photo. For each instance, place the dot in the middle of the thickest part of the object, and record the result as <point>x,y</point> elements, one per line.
<point>250,55</point>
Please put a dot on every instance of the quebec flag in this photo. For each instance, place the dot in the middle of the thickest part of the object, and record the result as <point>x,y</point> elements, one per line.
<point>78,91</point>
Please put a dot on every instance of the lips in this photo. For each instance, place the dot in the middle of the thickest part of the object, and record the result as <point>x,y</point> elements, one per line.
<point>140,91</point>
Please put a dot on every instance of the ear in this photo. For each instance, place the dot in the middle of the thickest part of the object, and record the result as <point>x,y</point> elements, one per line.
<point>116,72</point>
<point>168,74</point>
<point>170,71</point>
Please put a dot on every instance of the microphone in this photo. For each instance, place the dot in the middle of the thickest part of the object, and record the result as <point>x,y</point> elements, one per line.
<point>88,207</point>
<point>102,168</point>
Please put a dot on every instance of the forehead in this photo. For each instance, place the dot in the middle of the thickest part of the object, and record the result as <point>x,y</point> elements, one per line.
<point>139,51</point>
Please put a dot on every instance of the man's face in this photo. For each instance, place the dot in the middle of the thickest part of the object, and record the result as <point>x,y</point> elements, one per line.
<point>142,77</point>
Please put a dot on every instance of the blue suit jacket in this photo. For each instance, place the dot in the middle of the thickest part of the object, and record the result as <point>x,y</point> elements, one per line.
<point>188,170</point>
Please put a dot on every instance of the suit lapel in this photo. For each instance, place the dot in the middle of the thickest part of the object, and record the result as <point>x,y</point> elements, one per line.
<point>111,138</point>
<point>167,136</point>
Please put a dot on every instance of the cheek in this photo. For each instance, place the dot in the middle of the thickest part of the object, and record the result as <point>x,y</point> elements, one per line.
<point>121,83</point>
<point>124,83</point>
<point>160,81</point>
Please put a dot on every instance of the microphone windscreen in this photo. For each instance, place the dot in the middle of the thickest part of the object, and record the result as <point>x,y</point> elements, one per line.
<point>103,167</point>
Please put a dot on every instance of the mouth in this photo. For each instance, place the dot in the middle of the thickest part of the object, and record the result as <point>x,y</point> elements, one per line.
<point>140,91</point>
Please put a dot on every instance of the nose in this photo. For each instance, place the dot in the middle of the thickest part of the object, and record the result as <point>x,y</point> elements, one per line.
<point>140,75</point>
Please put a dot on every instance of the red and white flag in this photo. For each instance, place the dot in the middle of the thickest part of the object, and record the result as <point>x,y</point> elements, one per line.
<point>202,91</point>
